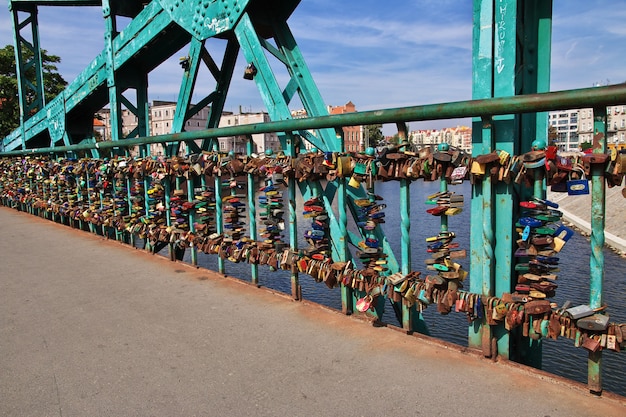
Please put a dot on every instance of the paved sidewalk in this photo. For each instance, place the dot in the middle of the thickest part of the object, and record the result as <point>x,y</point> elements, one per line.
<point>90,327</point>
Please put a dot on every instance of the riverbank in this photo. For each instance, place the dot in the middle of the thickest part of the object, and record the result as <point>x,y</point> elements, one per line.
<point>577,212</point>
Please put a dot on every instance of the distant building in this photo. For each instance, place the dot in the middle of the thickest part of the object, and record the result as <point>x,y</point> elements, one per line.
<point>585,126</point>
<point>616,124</point>
<point>459,137</point>
<point>575,127</point>
<point>566,124</point>
<point>161,117</point>
<point>100,129</point>
<point>355,137</point>
<point>262,141</point>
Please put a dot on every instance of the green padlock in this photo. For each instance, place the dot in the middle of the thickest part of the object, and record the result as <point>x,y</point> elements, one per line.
<point>360,168</point>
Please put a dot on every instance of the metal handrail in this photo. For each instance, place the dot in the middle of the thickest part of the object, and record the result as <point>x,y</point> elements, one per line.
<point>529,103</point>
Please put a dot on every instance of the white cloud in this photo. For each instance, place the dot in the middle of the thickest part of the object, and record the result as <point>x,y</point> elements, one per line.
<point>400,53</point>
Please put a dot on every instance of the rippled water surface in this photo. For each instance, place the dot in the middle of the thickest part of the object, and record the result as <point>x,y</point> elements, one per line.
<point>559,357</point>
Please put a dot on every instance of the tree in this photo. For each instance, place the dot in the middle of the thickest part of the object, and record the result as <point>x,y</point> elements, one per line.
<point>374,135</point>
<point>552,135</point>
<point>9,100</point>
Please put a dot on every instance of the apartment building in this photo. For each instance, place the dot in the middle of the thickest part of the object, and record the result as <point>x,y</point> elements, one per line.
<point>262,141</point>
<point>161,116</point>
<point>575,127</point>
<point>459,137</point>
<point>566,124</point>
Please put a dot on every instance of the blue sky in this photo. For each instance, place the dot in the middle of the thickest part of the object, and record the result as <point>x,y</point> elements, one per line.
<point>376,54</point>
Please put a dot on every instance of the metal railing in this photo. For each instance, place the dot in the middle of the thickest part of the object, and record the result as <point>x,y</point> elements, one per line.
<point>596,97</point>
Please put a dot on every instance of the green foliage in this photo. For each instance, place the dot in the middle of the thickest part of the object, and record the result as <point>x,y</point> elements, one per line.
<point>374,134</point>
<point>585,145</point>
<point>394,140</point>
<point>9,100</point>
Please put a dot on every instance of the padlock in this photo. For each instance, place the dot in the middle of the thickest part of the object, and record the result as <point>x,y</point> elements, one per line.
<point>354,182</point>
<point>596,322</point>
<point>591,344</point>
<point>461,304</point>
<point>611,343</point>
<point>423,297</point>
<point>499,311</point>
<point>478,169</point>
<point>579,312</point>
<point>561,236</point>
<point>364,304</point>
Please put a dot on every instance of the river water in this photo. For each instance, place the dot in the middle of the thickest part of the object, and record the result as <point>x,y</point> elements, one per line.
<point>560,357</point>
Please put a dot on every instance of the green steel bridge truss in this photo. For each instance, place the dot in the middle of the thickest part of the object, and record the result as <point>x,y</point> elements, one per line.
<point>511,68</point>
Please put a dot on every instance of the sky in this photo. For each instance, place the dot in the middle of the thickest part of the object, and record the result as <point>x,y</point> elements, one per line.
<point>376,54</point>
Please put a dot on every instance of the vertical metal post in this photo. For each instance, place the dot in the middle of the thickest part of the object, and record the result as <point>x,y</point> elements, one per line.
<point>192,220</point>
<point>192,213</point>
<point>103,226</point>
<point>405,231</point>
<point>167,190</point>
<point>505,72</point>
<point>596,262</point>
<point>534,24</point>
<point>131,235</point>
<point>146,205</point>
<point>219,218</point>
<point>115,101</point>
<point>482,87</point>
<point>486,235</point>
<point>487,206</point>
<point>296,292</point>
<point>31,95</point>
<point>347,306</point>
<point>116,211</point>
<point>92,227</point>
<point>405,228</point>
<point>254,268</point>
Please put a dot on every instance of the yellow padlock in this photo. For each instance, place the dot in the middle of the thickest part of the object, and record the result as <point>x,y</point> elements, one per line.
<point>354,183</point>
<point>504,157</point>
<point>477,169</point>
<point>557,244</point>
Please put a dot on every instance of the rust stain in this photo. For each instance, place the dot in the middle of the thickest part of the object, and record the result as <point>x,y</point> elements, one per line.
<point>598,140</point>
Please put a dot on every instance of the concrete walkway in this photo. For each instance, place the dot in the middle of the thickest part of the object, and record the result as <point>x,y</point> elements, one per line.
<point>90,327</point>
<point>577,210</point>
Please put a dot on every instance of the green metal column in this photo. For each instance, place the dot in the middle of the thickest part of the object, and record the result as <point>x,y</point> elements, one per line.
<point>254,268</point>
<point>347,306</point>
<point>192,220</point>
<point>535,28</point>
<point>296,290</point>
<point>31,96</point>
<point>511,57</point>
<point>129,199</point>
<point>115,103</point>
<point>482,75</point>
<point>506,68</point>
<point>219,214</point>
<point>596,279</point>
